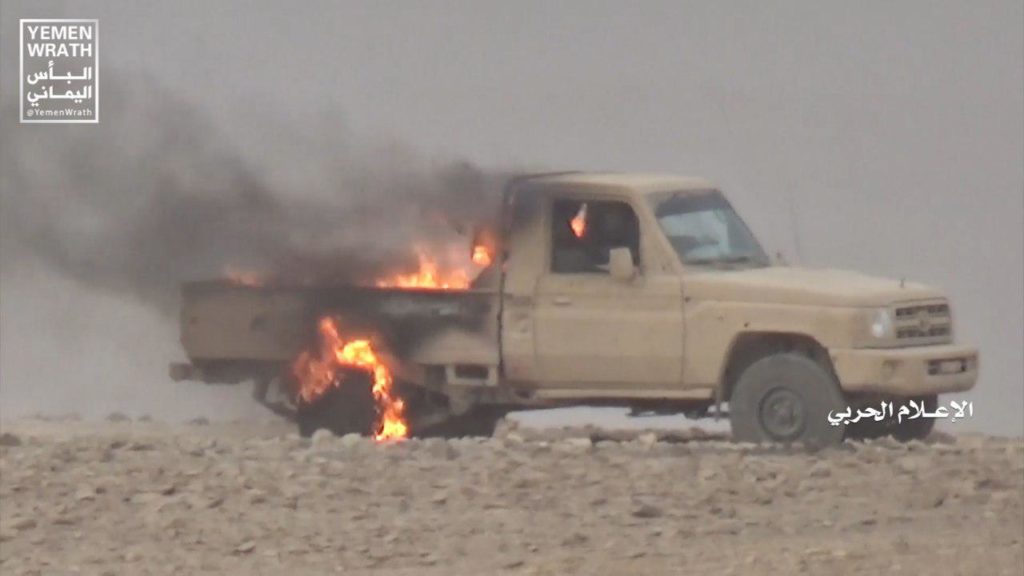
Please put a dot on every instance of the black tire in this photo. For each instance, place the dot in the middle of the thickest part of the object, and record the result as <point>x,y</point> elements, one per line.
<point>917,429</point>
<point>344,409</point>
<point>786,398</point>
<point>476,422</point>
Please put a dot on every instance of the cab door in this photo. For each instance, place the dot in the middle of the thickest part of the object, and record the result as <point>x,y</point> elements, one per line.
<point>593,332</point>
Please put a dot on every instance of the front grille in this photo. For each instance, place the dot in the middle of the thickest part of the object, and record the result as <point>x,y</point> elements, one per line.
<point>925,321</point>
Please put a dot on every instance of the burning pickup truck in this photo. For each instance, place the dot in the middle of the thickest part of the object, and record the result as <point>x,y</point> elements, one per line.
<point>642,291</point>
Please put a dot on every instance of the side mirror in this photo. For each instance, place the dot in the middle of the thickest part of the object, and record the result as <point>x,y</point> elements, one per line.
<point>620,264</point>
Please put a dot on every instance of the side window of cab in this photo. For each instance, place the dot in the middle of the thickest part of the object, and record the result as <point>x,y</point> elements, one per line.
<point>584,231</point>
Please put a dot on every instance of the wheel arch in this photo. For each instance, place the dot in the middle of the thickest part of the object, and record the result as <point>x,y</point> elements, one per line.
<point>749,347</point>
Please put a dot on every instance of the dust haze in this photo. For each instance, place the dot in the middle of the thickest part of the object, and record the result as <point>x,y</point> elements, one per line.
<point>323,139</point>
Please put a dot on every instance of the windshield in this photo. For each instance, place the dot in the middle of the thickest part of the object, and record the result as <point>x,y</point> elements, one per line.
<point>704,229</point>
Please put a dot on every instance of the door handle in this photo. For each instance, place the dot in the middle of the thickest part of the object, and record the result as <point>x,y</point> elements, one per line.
<point>562,301</point>
<point>520,300</point>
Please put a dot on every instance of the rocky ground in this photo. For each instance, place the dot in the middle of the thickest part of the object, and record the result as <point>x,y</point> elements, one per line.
<point>124,497</point>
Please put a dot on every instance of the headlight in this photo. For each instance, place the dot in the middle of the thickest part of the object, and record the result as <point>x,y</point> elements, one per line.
<point>881,324</point>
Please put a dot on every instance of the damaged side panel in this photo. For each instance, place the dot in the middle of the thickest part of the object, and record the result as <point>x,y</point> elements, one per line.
<point>222,321</point>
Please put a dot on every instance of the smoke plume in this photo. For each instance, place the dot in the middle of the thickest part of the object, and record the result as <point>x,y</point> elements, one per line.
<point>152,196</point>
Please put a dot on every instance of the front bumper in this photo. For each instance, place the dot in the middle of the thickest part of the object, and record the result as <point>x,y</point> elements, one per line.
<point>907,372</point>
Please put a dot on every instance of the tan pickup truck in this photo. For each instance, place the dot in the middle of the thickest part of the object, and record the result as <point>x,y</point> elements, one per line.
<point>642,291</point>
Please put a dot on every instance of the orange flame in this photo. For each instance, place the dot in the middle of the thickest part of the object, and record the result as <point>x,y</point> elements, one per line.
<point>243,277</point>
<point>429,275</point>
<point>481,255</point>
<point>579,222</point>
<point>318,373</point>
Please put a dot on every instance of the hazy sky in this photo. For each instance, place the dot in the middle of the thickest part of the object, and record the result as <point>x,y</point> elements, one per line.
<point>896,130</point>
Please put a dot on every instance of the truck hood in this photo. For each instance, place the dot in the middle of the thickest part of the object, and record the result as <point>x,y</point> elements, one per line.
<point>802,286</point>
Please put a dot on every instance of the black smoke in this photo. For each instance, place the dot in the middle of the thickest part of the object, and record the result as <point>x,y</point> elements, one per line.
<point>153,196</point>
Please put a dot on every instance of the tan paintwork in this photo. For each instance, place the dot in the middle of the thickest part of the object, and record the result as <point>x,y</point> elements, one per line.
<point>238,322</point>
<point>903,371</point>
<point>669,332</point>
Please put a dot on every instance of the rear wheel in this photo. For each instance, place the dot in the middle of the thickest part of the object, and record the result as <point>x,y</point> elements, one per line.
<point>347,408</point>
<point>786,398</point>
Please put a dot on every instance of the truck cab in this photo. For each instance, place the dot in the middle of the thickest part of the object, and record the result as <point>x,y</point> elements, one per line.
<point>650,290</point>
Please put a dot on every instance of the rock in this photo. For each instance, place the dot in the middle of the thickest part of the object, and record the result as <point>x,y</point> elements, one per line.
<point>645,510</point>
<point>514,439</point>
<point>575,539</point>
<point>504,427</point>
<point>199,421</point>
<point>8,439</point>
<point>941,438</point>
<point>132,555</point>
<point>117,417</point>
<point>914,464</point>
<point>990,481</point>
<point>513,563</point>
<point>707,474</point>
<point>85,493</point>
<point>226,499</point>
<point>914,445</point>
<point>350,440</point>
<point>926,497</point>
<point>440,449</point>
<point>245,547</point>
<point>647,439</point>
<point>821,469</point>
<point>722,511</point>
<point>322,438</point>
<point>143,498</point>
<point>24,524</point>
<point>698,433</point>
<point>762,497</point>
<point>64,519</point>
<point>576,444</point>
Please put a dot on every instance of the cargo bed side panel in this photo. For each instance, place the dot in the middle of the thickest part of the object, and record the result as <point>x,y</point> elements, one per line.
<point>228,322</point>
<point>223,321</point>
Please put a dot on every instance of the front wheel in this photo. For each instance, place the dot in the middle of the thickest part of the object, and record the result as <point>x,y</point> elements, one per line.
<point>786,398</point>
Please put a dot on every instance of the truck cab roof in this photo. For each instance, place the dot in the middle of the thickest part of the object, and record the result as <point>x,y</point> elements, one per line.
<point>638,182</point>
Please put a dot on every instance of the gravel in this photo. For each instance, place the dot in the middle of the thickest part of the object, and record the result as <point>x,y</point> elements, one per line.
<point>144,497</point>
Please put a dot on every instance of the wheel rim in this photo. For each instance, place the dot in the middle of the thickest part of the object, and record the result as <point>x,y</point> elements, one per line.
<point>782,414</point>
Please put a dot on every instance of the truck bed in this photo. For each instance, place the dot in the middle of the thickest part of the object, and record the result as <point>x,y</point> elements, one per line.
<point>223,320</point>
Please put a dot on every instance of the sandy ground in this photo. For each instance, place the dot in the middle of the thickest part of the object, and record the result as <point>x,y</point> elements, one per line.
<point>123,497</point>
